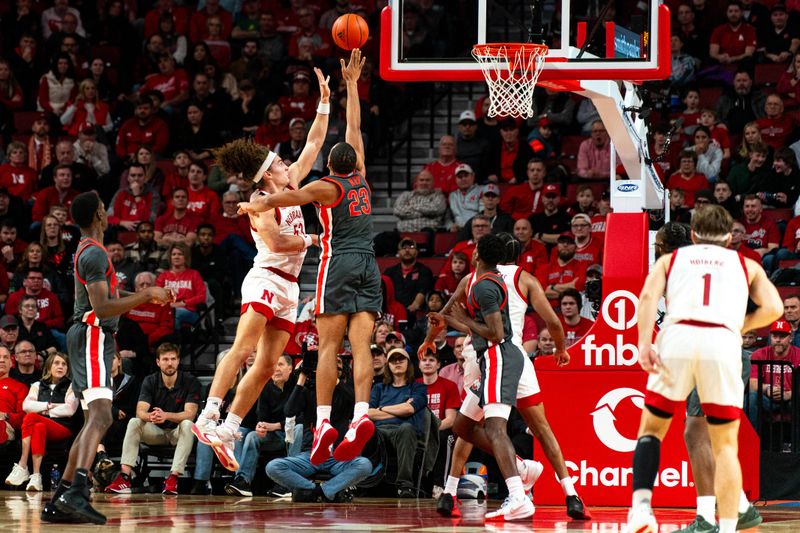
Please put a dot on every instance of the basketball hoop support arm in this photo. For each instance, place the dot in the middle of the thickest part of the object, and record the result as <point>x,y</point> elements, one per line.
<point>629,141</point>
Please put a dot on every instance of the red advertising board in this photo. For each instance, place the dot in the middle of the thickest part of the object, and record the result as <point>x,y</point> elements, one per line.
<point>594,404</point>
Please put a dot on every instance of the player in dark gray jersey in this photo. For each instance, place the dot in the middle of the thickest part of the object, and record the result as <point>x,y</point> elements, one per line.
<point>487,319</point>
<point>348,282</point>
<point>91,346</point>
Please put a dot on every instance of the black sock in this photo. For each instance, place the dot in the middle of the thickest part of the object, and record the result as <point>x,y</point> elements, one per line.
<point>81,478</point>
<point>645,462</point>
<point>62,487</point>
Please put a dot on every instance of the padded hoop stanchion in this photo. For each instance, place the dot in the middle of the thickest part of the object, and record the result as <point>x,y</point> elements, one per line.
<point>511,71</point>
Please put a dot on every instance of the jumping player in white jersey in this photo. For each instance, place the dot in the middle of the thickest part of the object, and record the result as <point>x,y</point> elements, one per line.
<point>706,287</point>
<point>269,292</point>
<point>522,289</point>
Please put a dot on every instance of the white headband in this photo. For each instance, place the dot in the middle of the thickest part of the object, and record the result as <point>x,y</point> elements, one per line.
<point>265,166</point>
<point>714,238</point>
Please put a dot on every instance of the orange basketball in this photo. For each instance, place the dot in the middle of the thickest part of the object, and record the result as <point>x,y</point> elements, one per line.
<point>350,31</point>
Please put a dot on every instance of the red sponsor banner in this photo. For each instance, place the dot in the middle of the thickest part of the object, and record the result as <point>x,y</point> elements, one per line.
<point>597,426</point>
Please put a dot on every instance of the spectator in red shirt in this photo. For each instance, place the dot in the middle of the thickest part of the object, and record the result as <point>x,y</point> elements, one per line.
<point>229,222</point>
<point>773,389</point>
<point>521,200</point>
<point>308,28</point>
<point>687,178</point>
<point>203,202</point>
<point>762,234</point>
<point>588,247</point>
<point>185,282</point>
<point>444,398</point>
<point>301,103</point>
<point>481,226</point>
<point>49,307</point>
<point>198,29</point>
<point>145,128</point>
<point>275,129</point>
<point>178,226</point>
<point>60,193</point>
<point>444,168</point>
<point>575,326</point>
<point>733,41</point>
<point>510,158</point>
<point>776,127</point>
<point>534,253</point>
<point>448,281</point>
<point>178,176</point>
<point>603,209</point>
<point>738,235</point>
<point>563,271</point>
<point>455,371</point>
<point>135,204</point>
<point>787,84</point>
<point>16,176</point>
<point>171,82</point>
<point>155,320</point>
<point>12,394</point>
<point>178,14</point>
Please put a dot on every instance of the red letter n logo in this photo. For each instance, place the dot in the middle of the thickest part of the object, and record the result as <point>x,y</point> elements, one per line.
<point>267,296</point>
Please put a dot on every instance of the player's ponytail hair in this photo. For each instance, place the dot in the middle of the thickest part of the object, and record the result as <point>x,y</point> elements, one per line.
<point>244,158</point>
<point>712,225</point>
<point>513,246</point>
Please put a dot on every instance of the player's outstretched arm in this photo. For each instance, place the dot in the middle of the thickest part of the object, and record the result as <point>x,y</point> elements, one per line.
<point>316,135</point>
<point>542,306</point>
<point>105,307</point>
<point>321,192</point>
<point>350,73</point>
<point>765,296</point>
<point>652,291</point>
<point>268,229</point>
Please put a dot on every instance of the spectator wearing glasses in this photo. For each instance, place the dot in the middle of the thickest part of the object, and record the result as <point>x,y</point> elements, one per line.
<point>500,222</point>
<point>411,279</point>
<point>594,154</point>
<point>588,247</point>
<point>738,235</point>
<point>49,407</point>
<point>32,330</point>
<point>25,356</point>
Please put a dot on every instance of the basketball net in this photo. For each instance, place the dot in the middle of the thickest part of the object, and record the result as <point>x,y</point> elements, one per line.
<point>511,71</point>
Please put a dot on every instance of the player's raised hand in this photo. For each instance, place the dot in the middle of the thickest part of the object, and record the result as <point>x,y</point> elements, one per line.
<point>649,359</point>
<point>352,71</point>
<point>562,358</point>
<point>259,205</point>
<point>324,89</point>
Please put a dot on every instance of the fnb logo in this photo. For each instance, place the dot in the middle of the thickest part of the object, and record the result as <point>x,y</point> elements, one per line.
<point>619,312</point>
<point>627,187</point>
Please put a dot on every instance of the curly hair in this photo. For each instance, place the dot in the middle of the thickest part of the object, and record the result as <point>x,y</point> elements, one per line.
<point>241,157</point>
<point>675,235</point>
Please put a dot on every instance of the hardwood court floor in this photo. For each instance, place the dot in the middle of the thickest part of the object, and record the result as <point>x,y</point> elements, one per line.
<point>171,514</point>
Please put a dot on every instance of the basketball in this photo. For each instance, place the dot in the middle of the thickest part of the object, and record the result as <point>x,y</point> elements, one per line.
<point>350,31</point>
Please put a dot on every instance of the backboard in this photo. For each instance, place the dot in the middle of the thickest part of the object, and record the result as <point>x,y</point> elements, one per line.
<point>624,40</point>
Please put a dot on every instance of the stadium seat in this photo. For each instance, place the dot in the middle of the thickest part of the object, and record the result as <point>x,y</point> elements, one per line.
<point>23,120</point>
<point>109,54</point>
<point>788,263</point>
<point>778,215</point>
<point>443,242</point>
<point>166,166</point>
<point>386,262</point>
<point>126,237</point>
<point>570,145</point>
<point>768,74</point>
<point>709,96</point>
<point>434,263</point>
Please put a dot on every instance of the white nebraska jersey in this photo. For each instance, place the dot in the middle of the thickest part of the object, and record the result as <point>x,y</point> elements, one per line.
<point>707,283</point>
<point>517,304</point>
<point>290,222</point>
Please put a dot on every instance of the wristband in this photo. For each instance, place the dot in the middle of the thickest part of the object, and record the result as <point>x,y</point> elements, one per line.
<point>324,108</point>
<point>306,241</point>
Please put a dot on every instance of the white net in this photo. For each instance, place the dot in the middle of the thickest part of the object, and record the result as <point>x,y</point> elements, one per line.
<point>511,71</point>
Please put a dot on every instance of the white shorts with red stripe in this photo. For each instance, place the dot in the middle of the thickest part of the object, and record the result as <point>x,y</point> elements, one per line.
<point>706,357</point>
<point>272,294</point>
<point>91,354</point>
<point>528,392</point>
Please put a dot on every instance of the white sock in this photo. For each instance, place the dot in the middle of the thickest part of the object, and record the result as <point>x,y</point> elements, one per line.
<point>744,503</point>
<point>706,507</point>
<point>727,525</point>
<point>360,409</point>
<point>515,490</point>
<point>451,487</point>
<point>567,486</point>
<point>323,413</point>
<point>211,410</point>
<point>233,422</point>
<point>642,497</point>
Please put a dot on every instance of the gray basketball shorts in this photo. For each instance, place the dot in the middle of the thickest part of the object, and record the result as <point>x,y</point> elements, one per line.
<point>349,283</point>
<point>91,353</point>
<point>501,369</point>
